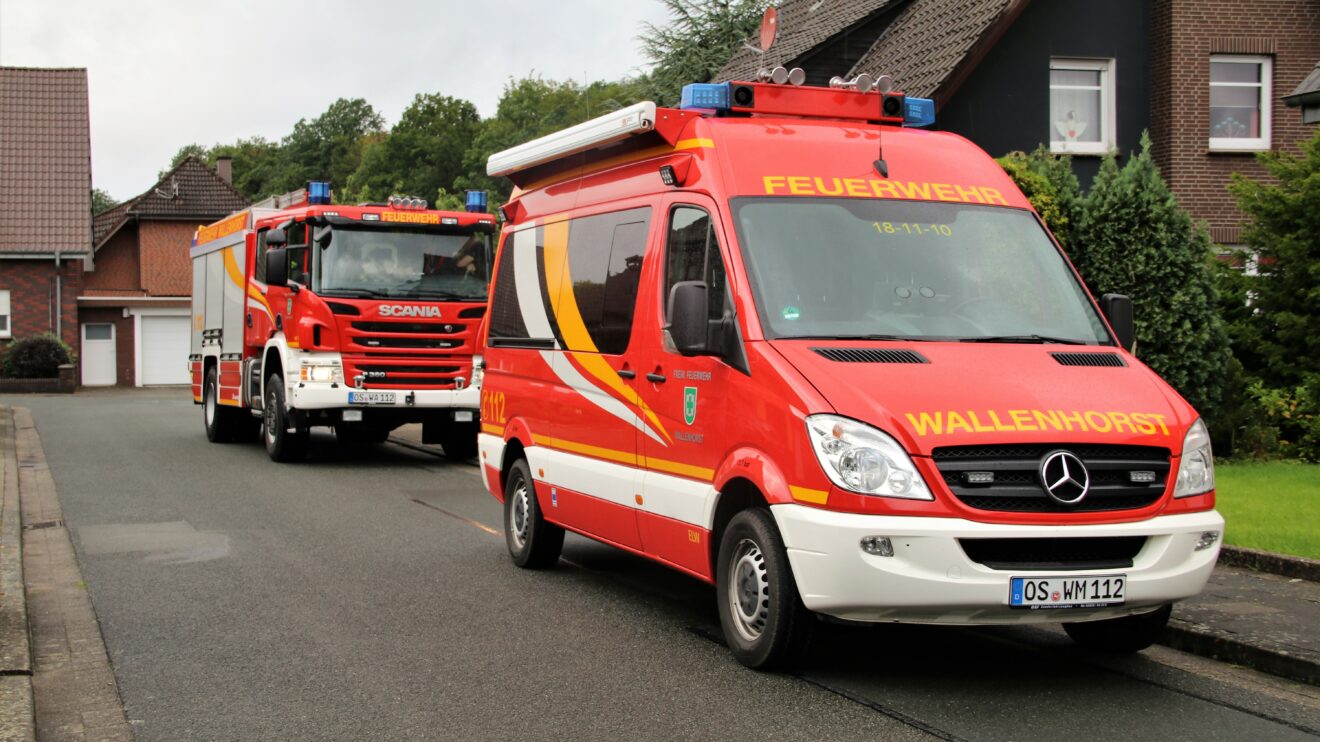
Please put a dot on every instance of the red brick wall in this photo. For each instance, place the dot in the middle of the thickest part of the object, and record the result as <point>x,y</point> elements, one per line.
<point>117,262</point>
<point>124,371</point>
<point>1184,35</point>
<point>166,266</point>
<point>31,285</point>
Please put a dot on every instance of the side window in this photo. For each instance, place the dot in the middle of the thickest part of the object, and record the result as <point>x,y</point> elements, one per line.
<point>605,268</point>
<point>298,267</point>
<point>506,320</point>
<point>5,331</point>
<point>692,253</point>
<point>259,270</point>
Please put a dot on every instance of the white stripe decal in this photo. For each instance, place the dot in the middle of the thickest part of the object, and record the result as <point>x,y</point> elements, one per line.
<point>569,374</point>
<point>672,497</point>
<point>527,281</point>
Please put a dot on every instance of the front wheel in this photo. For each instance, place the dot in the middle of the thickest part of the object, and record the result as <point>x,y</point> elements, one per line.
<point>765,624</point>
<point>1121,635</point>
<point>534,542</point>
<point>281,444</point>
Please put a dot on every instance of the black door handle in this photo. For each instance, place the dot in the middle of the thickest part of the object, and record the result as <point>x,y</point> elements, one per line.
<point>657,378</point>
<point>627,373</point>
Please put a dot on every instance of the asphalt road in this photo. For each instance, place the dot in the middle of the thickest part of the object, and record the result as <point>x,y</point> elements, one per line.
<point>369,595</point>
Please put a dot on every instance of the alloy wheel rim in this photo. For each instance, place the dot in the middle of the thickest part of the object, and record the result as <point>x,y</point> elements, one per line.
<point>518,516</point>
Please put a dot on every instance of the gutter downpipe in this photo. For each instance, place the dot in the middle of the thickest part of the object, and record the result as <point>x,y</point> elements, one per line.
<point>59,300</point>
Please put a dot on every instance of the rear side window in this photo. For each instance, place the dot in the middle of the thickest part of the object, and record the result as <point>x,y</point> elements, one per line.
<point>693,254</point>
<point>587,272</point>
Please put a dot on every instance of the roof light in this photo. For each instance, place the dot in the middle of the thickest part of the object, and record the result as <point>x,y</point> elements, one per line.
<point>318,192</point>
<point>919,112</point>
<point>476,201</point>
<point>706,95</point>
<point>588,135</point>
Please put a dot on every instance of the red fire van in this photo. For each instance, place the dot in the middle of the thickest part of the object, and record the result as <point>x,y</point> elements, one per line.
<point>832,364</point>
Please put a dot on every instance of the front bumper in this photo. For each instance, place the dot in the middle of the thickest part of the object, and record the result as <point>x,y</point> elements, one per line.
<point>930,579</point>
<point>325,397</point>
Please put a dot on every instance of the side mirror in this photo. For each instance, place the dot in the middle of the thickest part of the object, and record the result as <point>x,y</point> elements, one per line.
<point>321,236</point>
<point>276,237</point>
<point>277,266</point>
<point>1117,308</point>
<point>687,317</point>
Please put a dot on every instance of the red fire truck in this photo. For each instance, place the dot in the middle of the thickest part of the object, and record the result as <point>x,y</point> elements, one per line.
<point>362,318</point>
<point>786,342</point>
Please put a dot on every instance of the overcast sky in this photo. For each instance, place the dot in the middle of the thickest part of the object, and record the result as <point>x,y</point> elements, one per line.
<point>165,73</point>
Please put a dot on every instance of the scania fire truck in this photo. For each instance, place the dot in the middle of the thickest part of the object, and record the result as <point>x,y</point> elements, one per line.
<point>362,318</point>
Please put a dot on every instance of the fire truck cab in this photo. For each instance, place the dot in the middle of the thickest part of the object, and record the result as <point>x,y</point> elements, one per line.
<point>362,318</point>
<point>783,340</point>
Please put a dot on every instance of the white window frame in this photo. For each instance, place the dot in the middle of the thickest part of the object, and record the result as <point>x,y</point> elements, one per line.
<point>1265,101</point>
<point>1108,120</point>
<point>8,330</point>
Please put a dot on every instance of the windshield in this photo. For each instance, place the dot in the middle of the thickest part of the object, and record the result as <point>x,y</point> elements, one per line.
<point>399,262</point>
<point>852,268</point>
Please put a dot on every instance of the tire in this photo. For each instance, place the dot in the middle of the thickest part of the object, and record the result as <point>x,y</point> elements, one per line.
<point>1121,635</point>
<point>459,441</point>
<point>219,421</point>
<point>534,542</point>
<point>281,445</point>
<point>765,624</point>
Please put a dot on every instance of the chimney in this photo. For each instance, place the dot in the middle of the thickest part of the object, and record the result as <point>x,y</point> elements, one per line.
<point>224,167</point>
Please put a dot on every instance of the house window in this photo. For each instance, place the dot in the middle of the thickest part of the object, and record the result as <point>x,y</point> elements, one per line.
<point>1082,106</point>
<point>4,314</point>
<point>1239,102</point>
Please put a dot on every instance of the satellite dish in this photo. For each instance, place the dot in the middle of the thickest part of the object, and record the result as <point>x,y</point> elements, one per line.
<point>769,28</point>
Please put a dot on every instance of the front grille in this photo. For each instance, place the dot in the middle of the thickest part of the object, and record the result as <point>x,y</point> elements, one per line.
<point>1054,553</point>
<point>1017,487</point>
<point>433,328</point>
<point>406,374</point>
<point>389,342</point>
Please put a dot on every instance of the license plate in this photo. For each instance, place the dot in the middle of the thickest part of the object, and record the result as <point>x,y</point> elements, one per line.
<point>1080,591</point>
<point>371,397</point>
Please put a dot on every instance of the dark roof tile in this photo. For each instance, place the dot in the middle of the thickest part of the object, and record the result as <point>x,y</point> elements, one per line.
<point>803,25</point>
<point>45,161</point>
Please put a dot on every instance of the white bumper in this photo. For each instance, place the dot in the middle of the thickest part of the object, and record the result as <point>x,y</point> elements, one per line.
<point>931,580</point>
<point>324,397</point>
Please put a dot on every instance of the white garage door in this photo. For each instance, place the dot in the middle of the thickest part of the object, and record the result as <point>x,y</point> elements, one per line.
<point>165,342</point>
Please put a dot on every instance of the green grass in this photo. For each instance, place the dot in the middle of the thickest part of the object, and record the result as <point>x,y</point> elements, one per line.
<point>1273,506</point>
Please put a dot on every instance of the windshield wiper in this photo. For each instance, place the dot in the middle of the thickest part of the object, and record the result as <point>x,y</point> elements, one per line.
<point>355,293</point>
<point>439,294</point>
<point>1044,339</point>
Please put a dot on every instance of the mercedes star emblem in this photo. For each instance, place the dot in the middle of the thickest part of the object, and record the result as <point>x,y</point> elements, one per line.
<point>1065,477</point>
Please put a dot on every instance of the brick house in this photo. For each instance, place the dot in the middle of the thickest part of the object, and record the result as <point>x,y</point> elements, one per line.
<point>1206,78</point>
<point>135,307</point>
<point>45,201</point>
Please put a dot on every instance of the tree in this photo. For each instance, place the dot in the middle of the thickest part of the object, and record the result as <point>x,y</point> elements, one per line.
<point>260,166</point>
<point>1048,182</point>
<point>422,155</point>
<point>1285,234</point>
<point>102,201</point>
<point>699,39</point>
<point>186,151</point>
<point>1135,240</point>
<point>330,146</point>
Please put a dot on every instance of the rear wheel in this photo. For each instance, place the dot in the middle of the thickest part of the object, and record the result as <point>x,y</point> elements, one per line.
<point>1121,635</point>
<point>281,444</point>
<point>765,624</point>
<point>534,542</point>
<point>219,421</point>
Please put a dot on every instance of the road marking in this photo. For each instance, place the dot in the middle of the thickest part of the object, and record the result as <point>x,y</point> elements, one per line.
<point>456,516</point>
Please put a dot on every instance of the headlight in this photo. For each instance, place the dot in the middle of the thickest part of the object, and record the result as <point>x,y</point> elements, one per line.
<point>861,459</point>
<point>478,370</point>
<point>323,372</point>
<point>1196,469</point>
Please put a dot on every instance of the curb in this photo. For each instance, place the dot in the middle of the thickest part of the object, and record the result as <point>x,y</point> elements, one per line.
<point>1266,561</point>
<point>17,719</point>
<point>1202,640</point>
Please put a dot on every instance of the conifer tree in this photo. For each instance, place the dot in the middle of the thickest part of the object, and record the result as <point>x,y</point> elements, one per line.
<point>1135,240</point>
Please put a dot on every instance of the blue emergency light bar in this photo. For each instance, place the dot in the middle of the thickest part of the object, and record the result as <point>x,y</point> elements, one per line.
<point>318,192</point>
<point>708,95</point>
<point>919,112</point>
<point>476,201</point>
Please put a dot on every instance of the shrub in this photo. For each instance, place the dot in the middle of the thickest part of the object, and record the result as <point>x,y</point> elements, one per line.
<point>36,357</point>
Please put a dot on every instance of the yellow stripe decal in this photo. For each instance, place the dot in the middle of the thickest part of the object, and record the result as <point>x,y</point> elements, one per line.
<point>803,494</point>
<point>695,144</point>
<point>683,470</point>
<point>231,267</point>
<point>493,429</point>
